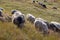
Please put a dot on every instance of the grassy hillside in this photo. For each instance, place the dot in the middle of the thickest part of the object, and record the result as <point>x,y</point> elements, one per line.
<point>9,31</point>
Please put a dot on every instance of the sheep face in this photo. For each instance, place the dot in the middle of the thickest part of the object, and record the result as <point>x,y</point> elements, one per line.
<point>19,21</point>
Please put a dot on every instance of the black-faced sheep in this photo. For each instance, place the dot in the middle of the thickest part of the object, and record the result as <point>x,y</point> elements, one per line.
<point>18,19</point>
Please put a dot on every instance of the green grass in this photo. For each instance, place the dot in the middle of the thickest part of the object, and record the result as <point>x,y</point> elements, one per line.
<point>9,31</point>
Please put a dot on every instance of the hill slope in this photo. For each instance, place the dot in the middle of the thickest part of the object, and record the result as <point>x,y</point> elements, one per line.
<point>9,31</point>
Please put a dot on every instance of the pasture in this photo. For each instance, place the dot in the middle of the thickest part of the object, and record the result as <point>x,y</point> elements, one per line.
<point>9,31</point>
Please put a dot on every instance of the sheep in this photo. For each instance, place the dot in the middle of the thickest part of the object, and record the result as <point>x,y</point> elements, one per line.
<point>44,21</point>
<point>2,19</point>
<point>1,13</point>
<point>41,25</point>
<point>30,18</point>
<point>43,5</point>
<point>18,19</point>
<point>55,26</point>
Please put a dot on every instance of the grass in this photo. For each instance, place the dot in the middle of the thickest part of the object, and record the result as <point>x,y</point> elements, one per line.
<point>9,31</point>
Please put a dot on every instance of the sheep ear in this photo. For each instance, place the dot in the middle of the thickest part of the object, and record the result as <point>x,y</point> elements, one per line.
<point>13,11</point>
<point>1,9</point>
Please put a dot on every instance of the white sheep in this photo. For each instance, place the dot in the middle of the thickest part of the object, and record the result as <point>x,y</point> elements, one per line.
<point>55,26</point>
<point>30,18</point>
<point>41,25</point>
<point>2,18</point>
<point>44,21</point>
<point>18,19</point>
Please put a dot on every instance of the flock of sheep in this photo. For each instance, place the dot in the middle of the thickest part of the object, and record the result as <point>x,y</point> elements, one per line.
<point>42,4</point>
<point>19,19</point>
